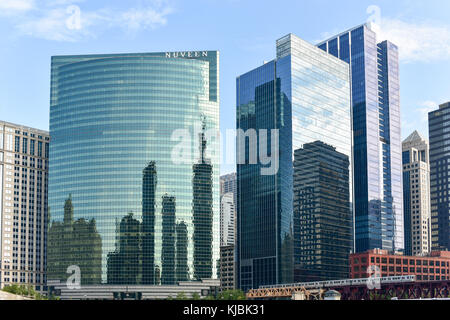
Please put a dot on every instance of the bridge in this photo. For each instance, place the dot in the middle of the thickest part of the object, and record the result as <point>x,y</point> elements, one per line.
<point>400,287</point>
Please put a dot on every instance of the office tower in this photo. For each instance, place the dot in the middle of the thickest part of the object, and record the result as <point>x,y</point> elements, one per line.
<point>227,268</point>
<point>304,94</point>
<point>378,198</point>
<point>24,154</point>
<point>322,213</point>
<point>227,241</point>
<point>438,124</point>
<point>227,220</point>
<point>126,130</point>
<point>228,196</point>
<point>228,184</point>
<point>416,195</point>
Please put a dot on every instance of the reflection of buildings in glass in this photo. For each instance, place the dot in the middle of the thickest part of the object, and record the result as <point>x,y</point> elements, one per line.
<point>148,223</point>
<point>202,214</point>
<point>124,263</point>
<point>111,146</point>
<point>168,240</point>
<point>305,95</point>
<point>322,213</point>
<point>157,275</point>
<point>181,268</point>
<point>74,243</point>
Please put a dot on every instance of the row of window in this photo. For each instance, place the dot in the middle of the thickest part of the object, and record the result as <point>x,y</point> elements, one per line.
<point>418,262</point>
<point>30,148</point>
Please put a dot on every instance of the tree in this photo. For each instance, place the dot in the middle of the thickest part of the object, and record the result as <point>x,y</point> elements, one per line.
<point>181,296</point>
<point>24,291</point>
<point>232,295</point>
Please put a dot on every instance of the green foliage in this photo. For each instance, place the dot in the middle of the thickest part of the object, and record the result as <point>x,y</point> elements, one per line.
<point>226,295</point>
<point>232,295</point>
<point>181,296</point>
<point>24,291</point>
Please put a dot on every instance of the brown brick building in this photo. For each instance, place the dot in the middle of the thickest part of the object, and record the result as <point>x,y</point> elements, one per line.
<point>435,266</point>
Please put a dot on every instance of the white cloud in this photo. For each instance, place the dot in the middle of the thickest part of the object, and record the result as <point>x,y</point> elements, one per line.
<point>417,118</point>
<point>16,5</point>
<point>417,42</point>
<point>57,25</point>
<point>425,108</point>
<point>64,20</point>
<point>148,18</point>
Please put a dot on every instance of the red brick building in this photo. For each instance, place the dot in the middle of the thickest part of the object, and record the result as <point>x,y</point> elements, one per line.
<point>436,266</point>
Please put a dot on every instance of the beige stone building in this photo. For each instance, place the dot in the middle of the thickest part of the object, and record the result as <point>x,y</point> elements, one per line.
<point>24,164</point>
<point>416,189</point>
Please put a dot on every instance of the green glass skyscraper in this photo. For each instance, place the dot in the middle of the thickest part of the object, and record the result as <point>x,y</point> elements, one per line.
<point>117,123</point>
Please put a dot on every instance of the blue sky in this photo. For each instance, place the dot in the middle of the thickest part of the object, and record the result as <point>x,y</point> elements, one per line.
<point>244,31</point>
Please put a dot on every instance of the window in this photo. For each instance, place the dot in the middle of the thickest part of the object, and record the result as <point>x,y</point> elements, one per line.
<point>32,146</point>
<point>25,145</point>
<point>47,151</point>
<point>17,144</point>
<point>40,149</point>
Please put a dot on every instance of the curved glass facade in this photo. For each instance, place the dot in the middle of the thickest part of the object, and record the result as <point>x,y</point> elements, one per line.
<point>123,207</point>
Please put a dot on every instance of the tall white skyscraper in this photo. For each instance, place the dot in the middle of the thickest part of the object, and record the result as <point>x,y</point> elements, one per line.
<point>227,220</point>
<point>416,195</point>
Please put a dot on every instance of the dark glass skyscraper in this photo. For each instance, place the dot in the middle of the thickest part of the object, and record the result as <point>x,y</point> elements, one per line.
<point>168,240</point>
<point>439,126</point>
<point>149,185</point>
<point>304,94</point>
<point>322,213</point>
<point>378,196</point>
<point>125,153</point>
<point>202,213</point>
